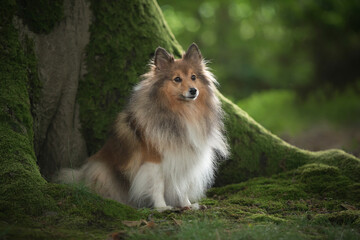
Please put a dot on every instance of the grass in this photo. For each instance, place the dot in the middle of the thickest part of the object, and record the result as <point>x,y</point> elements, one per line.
<point>215,229</point>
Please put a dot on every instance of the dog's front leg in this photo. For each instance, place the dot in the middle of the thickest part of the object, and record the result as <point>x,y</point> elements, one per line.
<point>149,184</point>
<point>186,204</point>
<point>158,195</point>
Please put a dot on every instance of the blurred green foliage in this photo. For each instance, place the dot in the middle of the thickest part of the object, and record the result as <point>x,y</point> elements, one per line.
<point>282,111</point>
<point>258,45</point>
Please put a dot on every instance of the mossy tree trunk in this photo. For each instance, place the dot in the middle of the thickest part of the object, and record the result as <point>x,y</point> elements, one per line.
<point>122,39</point>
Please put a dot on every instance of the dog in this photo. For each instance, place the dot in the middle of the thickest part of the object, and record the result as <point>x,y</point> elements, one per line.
<point>163,148</point>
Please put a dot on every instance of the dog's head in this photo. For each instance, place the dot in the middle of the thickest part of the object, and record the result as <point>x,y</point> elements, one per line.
<point>181,79</point>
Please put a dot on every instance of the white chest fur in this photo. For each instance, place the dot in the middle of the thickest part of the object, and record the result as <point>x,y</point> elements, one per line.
<point>182,177</point>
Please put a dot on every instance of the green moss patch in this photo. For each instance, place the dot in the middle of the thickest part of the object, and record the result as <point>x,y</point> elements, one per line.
<point>21,182</point>
<point>347,164</point>
<point>79,208</point>
<point>318,181</point>
<point>76,214</point>
<point>317,192</point>
<point>327,181</point>
<point>346,217</point>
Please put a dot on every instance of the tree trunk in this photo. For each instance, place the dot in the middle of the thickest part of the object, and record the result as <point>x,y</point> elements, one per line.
<point>87,63</point>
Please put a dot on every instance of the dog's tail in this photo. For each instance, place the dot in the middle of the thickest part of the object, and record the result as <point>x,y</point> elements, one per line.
<point>99,177</point>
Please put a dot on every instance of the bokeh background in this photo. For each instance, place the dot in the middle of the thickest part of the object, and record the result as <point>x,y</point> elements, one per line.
<point>294,66</point>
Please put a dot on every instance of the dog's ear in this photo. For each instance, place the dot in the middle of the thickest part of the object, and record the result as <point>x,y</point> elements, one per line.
<point>162,58</point>
<point>193,54</point>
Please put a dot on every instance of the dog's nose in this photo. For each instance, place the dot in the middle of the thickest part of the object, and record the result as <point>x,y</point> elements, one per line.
<point>192,91</point>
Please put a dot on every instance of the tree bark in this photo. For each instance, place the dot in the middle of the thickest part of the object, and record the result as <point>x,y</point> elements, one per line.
<point>121,39</point>
<point>58,141</point>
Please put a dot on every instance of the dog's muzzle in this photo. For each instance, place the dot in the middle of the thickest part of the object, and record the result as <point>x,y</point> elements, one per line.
<point>191,94</point>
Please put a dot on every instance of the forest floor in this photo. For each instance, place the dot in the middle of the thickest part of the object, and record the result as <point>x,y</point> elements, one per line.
<point>314,201</point>
<point>262,208</point>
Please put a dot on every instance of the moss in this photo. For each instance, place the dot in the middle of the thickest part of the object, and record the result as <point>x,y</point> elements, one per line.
<point>118,52</point>
<point>327,181</point>
<point>21,182</point>
<point>310,196</point>
<point>40,15</point>
<point>78,214</point>
<point>208,202</point>
<point>20,232</point>
<point>80,209</point>
<point>269,188</point>
<point>310,187</point>
<point>349,217</point>
<point>308,181</point>
<point>347,164</point>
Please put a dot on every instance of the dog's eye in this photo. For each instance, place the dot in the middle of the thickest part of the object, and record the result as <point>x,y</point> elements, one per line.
<point>177,79</point>
<point>193,77</point>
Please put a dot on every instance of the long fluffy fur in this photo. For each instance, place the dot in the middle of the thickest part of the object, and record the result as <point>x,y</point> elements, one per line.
<point>160,154</point>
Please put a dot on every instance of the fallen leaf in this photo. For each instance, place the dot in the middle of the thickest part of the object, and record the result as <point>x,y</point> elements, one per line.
<point>348,206</point>
<point>203,207</point>
<point>150,224</point>
<point>132,223</point>
<point>121,235</point>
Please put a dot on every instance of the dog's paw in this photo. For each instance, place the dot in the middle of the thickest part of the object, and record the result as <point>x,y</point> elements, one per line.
<point>185,208</point>
<point>163,209</point>
<point>195,206</point>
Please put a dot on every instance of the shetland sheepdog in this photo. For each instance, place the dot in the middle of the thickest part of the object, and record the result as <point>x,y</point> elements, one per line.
<point>163,147</point>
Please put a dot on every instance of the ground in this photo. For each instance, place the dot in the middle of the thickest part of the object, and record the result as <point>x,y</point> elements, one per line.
<point>314,201</point>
